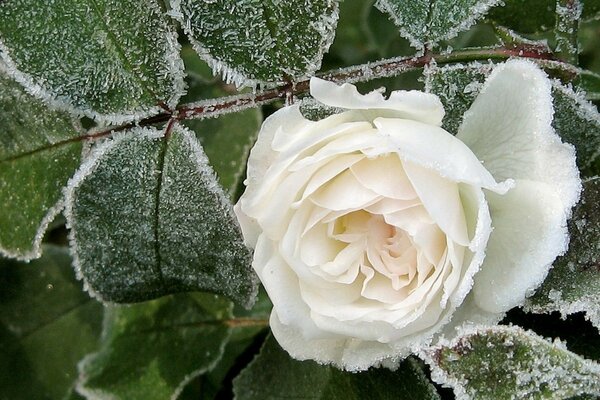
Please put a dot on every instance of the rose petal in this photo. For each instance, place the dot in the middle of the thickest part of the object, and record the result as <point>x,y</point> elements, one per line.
<point>384,175</point>
<point>509,128</point>
<point>433,148</point>
<point>352,355</point>
<point>529,232</point>
<point>342,193</point>
<point>441,199</point>
<point>412,104</point>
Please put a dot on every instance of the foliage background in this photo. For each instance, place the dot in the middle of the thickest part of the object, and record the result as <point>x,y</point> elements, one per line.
<point>195,345</point>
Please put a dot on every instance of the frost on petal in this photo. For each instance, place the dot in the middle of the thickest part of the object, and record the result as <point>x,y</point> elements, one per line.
<point>529,233</point>
<point>411,104</point>
<point>509,129</point>
<point>433,148</point>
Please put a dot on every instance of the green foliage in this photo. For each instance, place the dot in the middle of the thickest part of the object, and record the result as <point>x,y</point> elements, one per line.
<point>151,350</point>
<point>574,282</point>
<point>426,22</point>
<point>36,160</point>
<point>274,375</point>
<point>260,41</point>
<point>508,363</point>
<point>158,199</point>
<point>518,15</point>
<point>149,190</point>
<point>47,324</point>
<point>111,59</point>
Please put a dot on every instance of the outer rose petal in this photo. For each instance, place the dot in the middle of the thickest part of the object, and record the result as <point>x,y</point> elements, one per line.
<point>529,232</point>
<point>411,104</point>
<point>509,128</point>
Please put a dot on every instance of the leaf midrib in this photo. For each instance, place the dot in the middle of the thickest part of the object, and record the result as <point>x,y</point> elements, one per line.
<point>121,52</point>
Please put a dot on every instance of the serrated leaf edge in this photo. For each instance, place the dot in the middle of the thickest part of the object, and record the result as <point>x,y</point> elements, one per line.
<point>458,385</point>
<point>476,12</point>
<point>96,394</point>
<point>232,74</point>
<point>86,169</point>
<point>64,103</point>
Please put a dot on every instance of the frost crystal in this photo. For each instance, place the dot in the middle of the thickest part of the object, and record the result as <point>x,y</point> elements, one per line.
<point>111,60</point>
<point>254,41</point>
<point>149,207</point>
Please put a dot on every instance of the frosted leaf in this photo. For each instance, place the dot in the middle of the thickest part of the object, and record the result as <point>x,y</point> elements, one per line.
<point>457,87</point>
<point>575,120</point>
<point>37,157</point>
<point>254,41</point>
<point>148,218</point>
<point>427,22</point>
<point>518,15</point>
<point>152,350</point>
<point>573,284</point>
<point>226,139</point>
<point>273,374</point>
<point>578,122</point>
<point>314,110</point>
<point>113,60</point>
<point>509,363</point>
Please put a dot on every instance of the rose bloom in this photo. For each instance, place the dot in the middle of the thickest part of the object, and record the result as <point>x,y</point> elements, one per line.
<point>375,230</point>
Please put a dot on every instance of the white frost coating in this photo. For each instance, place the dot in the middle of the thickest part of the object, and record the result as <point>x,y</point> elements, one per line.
<point>529,378</point>
<point>585,109</point>
<point>87,168</point>
<point>520,89</point>
<point>39,89</point>
<point>403,22</point>
<point>98,394</point>
<point>586,304</point>
<point>234,74</point>
<point>204,168</point>
<point>36,251</point>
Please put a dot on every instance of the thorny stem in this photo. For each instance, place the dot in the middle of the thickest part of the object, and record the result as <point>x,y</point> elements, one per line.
<point>357,73</point>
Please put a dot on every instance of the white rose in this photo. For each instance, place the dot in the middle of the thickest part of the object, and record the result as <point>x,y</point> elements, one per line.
<point>375,227</point>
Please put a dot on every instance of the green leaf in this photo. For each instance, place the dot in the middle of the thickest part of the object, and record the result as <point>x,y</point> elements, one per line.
<point>573,284</point>
<point>47,323</point>
<point>252,41</point>
<point>510,363</point>
<point>426,22</point>
<point>245,327</point>
<point>148,218</point>
<point>575,120</point>
<point>113,60</point>
<point>37,157</point>
<point>151,350</point>
<point>275,375</point>
<point>226,139</point>
<point>457,86</point>
<point>533,16</point>
<point>590,83</point>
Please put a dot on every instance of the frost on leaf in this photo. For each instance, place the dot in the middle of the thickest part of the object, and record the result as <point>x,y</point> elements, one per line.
<point>427,22</point>
<point>510,363</point>
<point>152,350</point>
<point>573,284</point>
<point>457,86</point>
<point>148,218</point>
<point>37,158</point>
<point>113,60</point>
<point>575,120</point>
<point>254,41</point>
<point>578,122</point>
